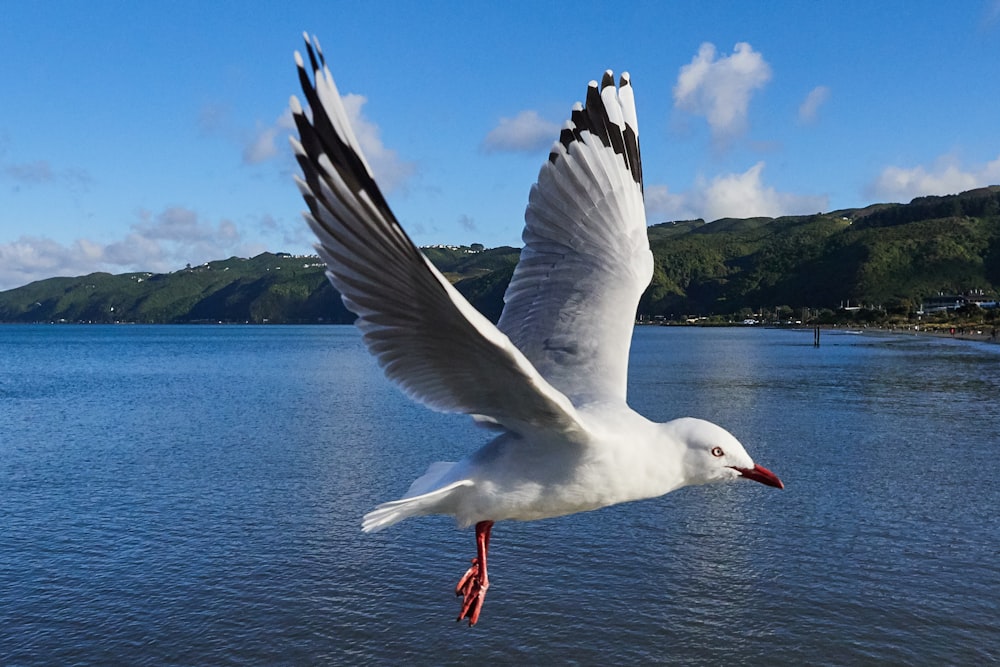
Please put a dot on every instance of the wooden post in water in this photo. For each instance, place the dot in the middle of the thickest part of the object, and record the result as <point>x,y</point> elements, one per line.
<point>816,336</point>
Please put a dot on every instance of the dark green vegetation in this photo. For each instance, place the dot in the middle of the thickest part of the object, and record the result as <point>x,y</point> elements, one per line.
<point>887,257</point>
<point>275,288</point>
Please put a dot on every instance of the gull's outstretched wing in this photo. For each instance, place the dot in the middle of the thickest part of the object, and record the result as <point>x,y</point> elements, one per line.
<point>571,304</point>
<point>424,334</point>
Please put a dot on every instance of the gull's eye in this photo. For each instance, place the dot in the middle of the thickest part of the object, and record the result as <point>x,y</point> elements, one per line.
<point>717,451</point>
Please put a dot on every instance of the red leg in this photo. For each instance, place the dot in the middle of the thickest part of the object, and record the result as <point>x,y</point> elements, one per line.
<point>474,583</point>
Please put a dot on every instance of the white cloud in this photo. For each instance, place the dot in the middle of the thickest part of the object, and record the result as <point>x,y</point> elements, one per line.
<point>268,142</point>
<point>135,252</point>
<point>41,172</point>
<point>527,132</point>
<point>38,171</point>
<point>175,223</point>
<point>720,89</point>
<point>991,15</point>
<point>945,177</point>
<point>32,258</point>
<point>809,109</point>
<point>662,205</point>
<point>389,169</point>
<point>214,119</point>
<point>467,223</point>
<point>745,195</point>
<point>263,143</point>
<point>158,242</point>
<point>293,233</point>
<point>740,195</point>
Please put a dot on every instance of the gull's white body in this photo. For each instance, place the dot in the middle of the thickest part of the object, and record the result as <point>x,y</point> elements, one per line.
<point>620,456</point>
<point>551,376</point>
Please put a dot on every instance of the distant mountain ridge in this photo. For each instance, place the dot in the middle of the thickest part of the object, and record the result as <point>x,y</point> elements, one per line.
<point>268,288</point>
<point>890,255</point>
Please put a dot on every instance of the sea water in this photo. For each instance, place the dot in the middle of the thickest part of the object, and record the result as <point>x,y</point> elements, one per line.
<point>175,495</point>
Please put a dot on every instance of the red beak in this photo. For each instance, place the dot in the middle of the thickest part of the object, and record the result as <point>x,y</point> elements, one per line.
<point>762,475</point>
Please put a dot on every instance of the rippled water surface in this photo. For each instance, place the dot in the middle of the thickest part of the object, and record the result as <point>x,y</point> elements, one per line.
<point>192,495</point>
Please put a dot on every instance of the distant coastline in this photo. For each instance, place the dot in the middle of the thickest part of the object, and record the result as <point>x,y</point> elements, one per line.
<point>933,261</point>
<point>977,334</point>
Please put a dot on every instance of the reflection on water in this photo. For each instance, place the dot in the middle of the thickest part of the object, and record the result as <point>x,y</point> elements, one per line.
<point>192,495</point>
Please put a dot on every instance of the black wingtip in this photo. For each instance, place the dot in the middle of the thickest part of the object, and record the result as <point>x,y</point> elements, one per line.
<point>593,117</point>
<point>315,51</point>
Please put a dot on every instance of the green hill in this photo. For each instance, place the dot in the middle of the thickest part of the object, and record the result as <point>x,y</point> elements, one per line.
<point>890,256</point>
<point>275,288</point>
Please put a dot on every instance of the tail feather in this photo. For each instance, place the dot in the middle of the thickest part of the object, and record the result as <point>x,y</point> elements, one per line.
<point>395,511</point>
<point>434,477</point>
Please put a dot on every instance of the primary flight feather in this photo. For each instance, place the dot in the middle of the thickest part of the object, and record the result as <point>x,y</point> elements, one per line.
<point>552,374</point>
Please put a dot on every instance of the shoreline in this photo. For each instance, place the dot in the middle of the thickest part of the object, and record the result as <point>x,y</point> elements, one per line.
<point>971,334</point>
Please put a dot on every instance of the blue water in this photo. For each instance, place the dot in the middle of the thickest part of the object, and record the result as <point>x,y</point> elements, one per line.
<point>192,496</point>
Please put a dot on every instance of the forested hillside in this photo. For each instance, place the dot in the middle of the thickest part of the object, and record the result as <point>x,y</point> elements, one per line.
<point>888,256</point>
<point>271,288</point>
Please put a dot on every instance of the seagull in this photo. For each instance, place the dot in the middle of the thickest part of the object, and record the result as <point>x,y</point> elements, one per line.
<point>549,379</point>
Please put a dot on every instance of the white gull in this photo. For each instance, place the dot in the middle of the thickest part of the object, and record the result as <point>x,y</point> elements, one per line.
<point>551,376</point>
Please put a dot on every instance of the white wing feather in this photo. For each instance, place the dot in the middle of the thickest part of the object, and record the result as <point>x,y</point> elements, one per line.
<point>571,304</point>
<point>424,334</point>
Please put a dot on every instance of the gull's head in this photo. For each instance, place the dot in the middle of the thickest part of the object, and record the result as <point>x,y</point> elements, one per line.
<point>712,454</point>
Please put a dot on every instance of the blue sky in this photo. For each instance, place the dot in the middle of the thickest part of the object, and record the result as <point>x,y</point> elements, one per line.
<point>145,136</point>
